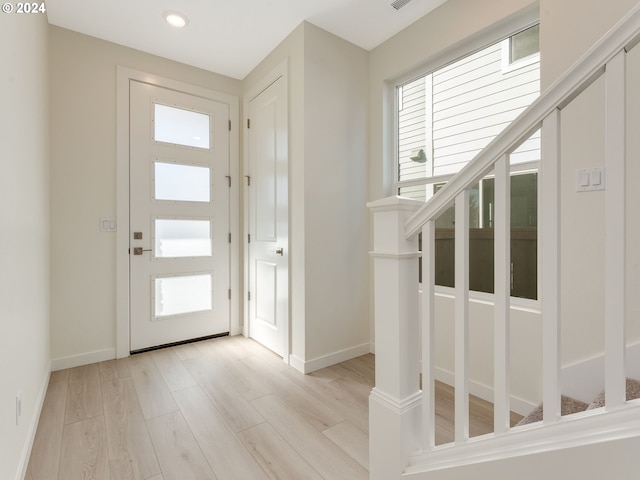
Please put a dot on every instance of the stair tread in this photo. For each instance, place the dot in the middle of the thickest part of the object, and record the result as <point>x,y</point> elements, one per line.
<point>568,406</point>
<point>633,392</point>
<point>571,405</point>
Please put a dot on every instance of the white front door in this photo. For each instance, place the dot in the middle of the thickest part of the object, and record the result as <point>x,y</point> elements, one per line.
<point>268,218</point>
<point>179,216</point>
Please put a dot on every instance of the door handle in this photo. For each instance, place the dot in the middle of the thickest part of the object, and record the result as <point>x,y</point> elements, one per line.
<point>139,250</point>
<point>280,251</point>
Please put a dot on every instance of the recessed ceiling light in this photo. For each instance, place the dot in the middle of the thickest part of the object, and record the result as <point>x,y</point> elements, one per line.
<point>175,19</point>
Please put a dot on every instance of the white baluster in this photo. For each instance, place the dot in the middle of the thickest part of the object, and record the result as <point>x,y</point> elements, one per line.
<point>549,253</point>
<point>428,334</point>
<point>615,233</point>
<point>462,317</point>
<point>502,295</point>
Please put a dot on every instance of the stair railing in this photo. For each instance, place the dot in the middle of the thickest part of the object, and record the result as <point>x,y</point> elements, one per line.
<point>402,416</point>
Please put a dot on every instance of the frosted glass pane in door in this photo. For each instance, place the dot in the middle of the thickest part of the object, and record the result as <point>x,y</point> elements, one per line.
<point>182,238</point>
<point>181,127</point>
<point>182,182</point>
<point>183,294</point>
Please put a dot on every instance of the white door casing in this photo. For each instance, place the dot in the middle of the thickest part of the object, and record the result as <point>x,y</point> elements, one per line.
<point>268,218</point>
<point>179,283</point>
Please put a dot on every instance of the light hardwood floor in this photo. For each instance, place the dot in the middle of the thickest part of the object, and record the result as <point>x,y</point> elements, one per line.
<point>219,409</point>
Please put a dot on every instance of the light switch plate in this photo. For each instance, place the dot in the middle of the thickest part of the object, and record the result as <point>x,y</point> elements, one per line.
<point>108,225</point>
<point>590,180</point>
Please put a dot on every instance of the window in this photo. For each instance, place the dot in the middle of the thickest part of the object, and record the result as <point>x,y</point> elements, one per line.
<point>447,117</point>
<point>524,44</point>
<point>182,294</point>
<point>182,238</point>
<point>181,127</point>
<point>524,233</point>
<point>183,183</point>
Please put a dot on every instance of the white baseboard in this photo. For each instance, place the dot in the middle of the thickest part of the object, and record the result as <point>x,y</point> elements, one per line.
<point>585,380</point>
<point>328,360</point>
<point>297,363</point>
<point>33,427</point>
<point>518,405</point>
<point>83,359</point>
<point>236,330</point>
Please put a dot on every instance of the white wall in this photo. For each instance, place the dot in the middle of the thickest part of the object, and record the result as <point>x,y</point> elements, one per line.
<point>569,28</point>
<point>633,197</point>
<point>327,179</point>
<point>583,147</point>
<point>83,183</point>
<point>582,224</point>
<point>24,233</point>
<point>526,356</point>
<point>335,184</point>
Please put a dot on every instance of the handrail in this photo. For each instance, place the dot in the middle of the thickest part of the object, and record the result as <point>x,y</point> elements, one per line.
<point>623,36</point>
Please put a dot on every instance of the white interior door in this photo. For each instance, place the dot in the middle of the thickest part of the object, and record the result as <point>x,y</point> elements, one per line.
<point>268,218</point>
<point>179,216</point>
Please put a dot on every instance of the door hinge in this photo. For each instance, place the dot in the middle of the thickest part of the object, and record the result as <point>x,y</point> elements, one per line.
<point>249,296</point>
<point>229,294</point>
<point>248,177</point>
<point>248,238</point>
<point>229,125</point>
<point>248,123</point>
<point>228,180</point>
<point>229,237</point>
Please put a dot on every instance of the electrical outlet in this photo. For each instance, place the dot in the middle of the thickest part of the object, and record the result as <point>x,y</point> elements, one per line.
<point>18,407</point>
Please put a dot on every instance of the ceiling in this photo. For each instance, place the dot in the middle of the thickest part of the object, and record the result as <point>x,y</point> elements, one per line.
<point>231,37</point>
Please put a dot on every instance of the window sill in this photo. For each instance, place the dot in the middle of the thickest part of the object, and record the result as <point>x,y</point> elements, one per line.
<point>517,303</point>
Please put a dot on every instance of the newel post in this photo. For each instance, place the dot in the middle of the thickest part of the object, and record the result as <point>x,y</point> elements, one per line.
<point>395,401</point>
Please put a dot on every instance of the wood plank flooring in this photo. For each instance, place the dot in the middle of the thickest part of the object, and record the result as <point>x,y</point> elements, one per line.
<point>219,409</point>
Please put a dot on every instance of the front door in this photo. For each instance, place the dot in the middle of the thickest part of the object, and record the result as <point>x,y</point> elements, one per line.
<point>268,218</point>
<point>179,216</point>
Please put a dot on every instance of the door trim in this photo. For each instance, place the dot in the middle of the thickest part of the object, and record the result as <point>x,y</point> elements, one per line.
<point>281,71</point>
<point>124,76</point>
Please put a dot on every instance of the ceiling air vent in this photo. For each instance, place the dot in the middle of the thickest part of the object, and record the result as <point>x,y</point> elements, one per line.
<point>398,4</point>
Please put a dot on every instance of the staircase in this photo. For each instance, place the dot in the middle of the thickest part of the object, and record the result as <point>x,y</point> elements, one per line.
<point>402,415</point>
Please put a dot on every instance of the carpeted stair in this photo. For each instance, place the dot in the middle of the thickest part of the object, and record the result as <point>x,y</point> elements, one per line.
<point>570,405</point>
<point>633,392</point>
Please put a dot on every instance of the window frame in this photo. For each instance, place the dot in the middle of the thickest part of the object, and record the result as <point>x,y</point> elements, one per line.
<point>508,65</point>
<point>483,39</point>
<point>440,61</point>
<point>521,303</point>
